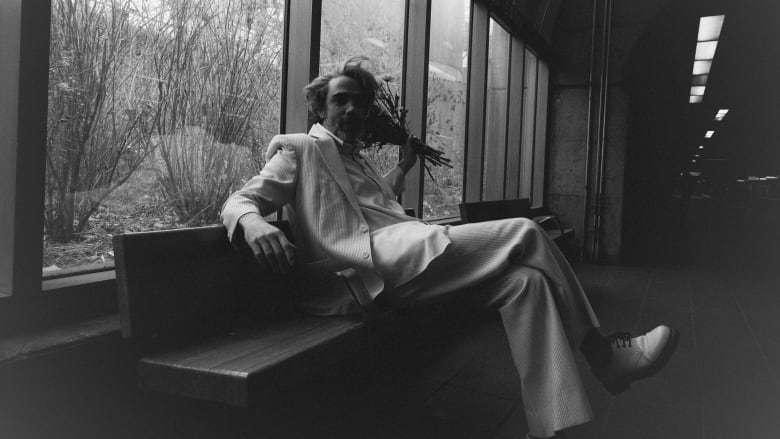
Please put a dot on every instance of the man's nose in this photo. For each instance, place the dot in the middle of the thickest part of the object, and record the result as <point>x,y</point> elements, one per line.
<point>349,107</point>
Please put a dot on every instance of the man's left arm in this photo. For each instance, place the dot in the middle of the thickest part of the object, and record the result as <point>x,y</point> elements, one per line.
<point>396,177</point>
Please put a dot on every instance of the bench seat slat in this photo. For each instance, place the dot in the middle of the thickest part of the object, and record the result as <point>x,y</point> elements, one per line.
<point>254,361</point>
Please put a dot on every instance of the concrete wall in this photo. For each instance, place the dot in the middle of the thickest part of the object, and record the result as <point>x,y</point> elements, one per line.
<point>590,102</point>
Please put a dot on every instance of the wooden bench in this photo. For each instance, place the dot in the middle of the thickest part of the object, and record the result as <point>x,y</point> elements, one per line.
<point>213,326</point>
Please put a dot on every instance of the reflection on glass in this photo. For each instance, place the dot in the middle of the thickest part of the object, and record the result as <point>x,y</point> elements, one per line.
<point>446,104</point>
<point>371,28</point>
<point>496,112</point>
<point>157,111</point>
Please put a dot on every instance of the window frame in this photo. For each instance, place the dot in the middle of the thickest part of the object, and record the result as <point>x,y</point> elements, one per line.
<point>24,293</point>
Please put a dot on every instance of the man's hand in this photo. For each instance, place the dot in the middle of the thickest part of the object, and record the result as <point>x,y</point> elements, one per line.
<point>271,248</point>
<point>409,151</point>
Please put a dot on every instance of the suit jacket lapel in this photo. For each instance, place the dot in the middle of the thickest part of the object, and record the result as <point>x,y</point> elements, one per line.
<point>330,155</point>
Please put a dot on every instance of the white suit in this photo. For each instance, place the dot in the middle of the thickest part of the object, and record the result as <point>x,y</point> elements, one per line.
<point>510,265</point>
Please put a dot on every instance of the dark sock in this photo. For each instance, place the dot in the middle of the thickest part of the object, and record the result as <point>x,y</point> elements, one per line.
<point>596,349</point>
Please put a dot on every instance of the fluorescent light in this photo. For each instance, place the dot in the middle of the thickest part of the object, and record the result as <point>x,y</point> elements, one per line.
<point>709,134</point>
<point>696,99</point>
<point>705,50</point>
<point>697,90</point>
<point>710,27</point>
<point>699,79</point>
<point>721,115</point>
<point>701,146</point>
<point>702,67</point>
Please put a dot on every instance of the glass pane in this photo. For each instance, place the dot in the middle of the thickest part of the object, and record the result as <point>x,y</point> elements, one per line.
<point>496,112</point>
<point>540,143</point>
<point>371,28</point>
<point>529,124</point>
<point>157,112</point>
<point>446,113</point>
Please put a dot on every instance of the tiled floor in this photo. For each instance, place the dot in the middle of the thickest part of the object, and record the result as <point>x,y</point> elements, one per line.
<point>457,380</point>
<point>718,283</point>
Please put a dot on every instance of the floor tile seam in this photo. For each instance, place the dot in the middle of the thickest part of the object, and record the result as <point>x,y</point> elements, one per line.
<point>767,362</point>
<point>612,398</point>
<point>513,406</point>
<point>485,392</point>
<point>643,303</point>
<point>506,418</point>
<point>696,362</point>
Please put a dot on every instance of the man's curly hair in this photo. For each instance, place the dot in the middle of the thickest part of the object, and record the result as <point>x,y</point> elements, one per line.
<point>317,91</point>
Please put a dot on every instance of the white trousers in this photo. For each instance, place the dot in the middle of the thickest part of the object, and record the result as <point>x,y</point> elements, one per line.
<point>514,267</point>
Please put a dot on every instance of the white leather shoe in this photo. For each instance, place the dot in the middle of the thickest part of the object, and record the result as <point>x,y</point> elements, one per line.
<point>636,358</point>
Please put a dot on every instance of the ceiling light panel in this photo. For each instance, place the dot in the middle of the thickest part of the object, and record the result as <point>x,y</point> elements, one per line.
<point>702,67</point>
<point>699,79</point>
<point>697,91</point>
<point>709,134</point>
<point>696,99</point>
<point>705,50</point>
<point>710,27</point>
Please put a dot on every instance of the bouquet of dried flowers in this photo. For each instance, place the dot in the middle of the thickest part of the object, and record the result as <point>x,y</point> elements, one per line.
<point>386,124</point>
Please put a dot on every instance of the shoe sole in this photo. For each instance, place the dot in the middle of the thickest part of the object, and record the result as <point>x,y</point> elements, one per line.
<point>616,387</point>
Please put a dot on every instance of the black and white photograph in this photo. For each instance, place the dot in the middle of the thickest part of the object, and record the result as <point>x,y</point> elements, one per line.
<point>389,219</point>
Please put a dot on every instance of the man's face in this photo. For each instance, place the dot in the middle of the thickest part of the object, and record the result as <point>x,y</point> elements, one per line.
<point>346,108</point>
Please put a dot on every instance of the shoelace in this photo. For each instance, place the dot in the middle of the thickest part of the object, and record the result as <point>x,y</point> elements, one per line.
<point>620,339</point>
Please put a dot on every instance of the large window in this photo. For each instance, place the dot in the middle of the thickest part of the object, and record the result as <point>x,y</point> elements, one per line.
<point>157,112</point>
<point>446,104</point>
<point>370,28</point>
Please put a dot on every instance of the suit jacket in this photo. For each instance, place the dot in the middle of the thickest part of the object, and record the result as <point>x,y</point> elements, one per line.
<point>329,228</point>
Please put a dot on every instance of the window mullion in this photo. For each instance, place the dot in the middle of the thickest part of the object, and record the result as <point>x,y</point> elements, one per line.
<point>478,50</point>
<point>301,58</point>
<point>23,106</point>
<point>418,19</point>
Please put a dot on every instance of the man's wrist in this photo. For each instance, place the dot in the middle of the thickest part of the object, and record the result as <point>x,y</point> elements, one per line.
<point>249,216</point>
<point>406,165</point>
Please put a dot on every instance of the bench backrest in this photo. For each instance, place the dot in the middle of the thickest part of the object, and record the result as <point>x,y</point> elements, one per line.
<point>192,281</point>
<point>478,211</point>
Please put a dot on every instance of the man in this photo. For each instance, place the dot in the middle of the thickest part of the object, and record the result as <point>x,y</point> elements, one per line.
<point>345,216</point>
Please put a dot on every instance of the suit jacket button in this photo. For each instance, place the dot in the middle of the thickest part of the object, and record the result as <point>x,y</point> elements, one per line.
<point>365,255</point>
<point>363,228</point>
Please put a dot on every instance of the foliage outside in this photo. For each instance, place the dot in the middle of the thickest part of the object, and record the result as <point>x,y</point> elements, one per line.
<point>157,111</point>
